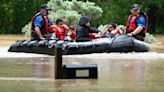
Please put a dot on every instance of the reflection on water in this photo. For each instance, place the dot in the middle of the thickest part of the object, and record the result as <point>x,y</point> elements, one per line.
<point>124,75</point>
<point>27,67</point>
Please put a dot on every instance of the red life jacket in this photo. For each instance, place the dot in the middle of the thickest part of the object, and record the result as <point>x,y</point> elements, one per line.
<point>130,24</point>
<point>59,31</point>
<point>73,34</point>
<point>94,35</point>
<point>117,31</point>
<point>147,19</point>
<point>45,29</point>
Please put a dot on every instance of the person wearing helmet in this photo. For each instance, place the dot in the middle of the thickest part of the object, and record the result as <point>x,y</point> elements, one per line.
<point>40,23</point>
<point>83,30</point>
<point>136,24</point>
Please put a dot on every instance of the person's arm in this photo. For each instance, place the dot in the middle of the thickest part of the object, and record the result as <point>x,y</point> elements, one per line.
<point>137,30</point>
<point>37,30</point>
<point>38,23</point>
<point>94,30</point>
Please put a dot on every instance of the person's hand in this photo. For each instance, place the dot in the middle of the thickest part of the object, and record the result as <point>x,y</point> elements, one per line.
<point>42,38</point>
<point>130,34</point>
<point>65,26</point>
<point>47,36</point>
<point>69,33</point>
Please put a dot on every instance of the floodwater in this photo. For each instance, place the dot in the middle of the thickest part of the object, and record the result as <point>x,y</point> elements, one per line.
<point>117,72</point>
<point>114,75</point>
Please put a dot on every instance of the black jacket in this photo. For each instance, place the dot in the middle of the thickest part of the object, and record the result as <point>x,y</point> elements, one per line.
<point>82,32</point>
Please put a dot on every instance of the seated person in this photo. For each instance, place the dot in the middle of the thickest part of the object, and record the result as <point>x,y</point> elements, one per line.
<point>61,30</point>
<point>113,31</point>
<point>137,23</point>
<point>83,30</point>
<point>40,24</point>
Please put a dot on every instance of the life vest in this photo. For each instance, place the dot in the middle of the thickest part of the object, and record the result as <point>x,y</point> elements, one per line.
<point>94,35</point>
<point>147,21</point>
<point>72,34</point>
<point>130,24</point>
<point>59,31</point>
<point>46,20</point>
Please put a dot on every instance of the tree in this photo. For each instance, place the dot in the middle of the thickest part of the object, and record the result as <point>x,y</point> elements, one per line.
<point>16,13</point>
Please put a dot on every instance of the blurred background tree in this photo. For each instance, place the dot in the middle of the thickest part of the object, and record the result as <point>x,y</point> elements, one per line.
<point>70,11</point>
<point>15,14</point>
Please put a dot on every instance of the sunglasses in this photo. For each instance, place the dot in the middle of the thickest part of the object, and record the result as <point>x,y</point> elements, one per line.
<point>135,10</point>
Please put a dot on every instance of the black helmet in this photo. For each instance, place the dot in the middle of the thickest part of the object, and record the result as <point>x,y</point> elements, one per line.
<point>136,6</point>
<point>45,6</point>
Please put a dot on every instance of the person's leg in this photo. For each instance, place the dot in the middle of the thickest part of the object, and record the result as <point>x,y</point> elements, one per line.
<point>34,36</point>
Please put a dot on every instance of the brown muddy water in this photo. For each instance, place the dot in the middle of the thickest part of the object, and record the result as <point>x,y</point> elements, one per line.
<point>117,72</point>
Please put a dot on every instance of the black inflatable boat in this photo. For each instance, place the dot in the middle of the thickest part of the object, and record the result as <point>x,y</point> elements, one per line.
<point>118,44</point>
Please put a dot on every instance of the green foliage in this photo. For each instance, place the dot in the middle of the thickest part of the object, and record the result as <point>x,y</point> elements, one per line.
<point>27,29</point>
<point>87,8</point>
<point>69,17</point>
<point>71,11</point>
<point>151,39</point>
<point>16,13</point>
<point>103,28</point>
<point>83,8</point>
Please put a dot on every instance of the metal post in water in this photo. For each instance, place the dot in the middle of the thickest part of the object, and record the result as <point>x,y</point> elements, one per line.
<point>58,62</point>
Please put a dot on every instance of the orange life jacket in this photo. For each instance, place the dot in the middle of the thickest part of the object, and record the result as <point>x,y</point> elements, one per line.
<point>45,28</point>
<point>130,24</point>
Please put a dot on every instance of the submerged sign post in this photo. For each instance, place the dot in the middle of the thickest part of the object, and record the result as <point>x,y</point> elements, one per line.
<point>58,63</point>
<point>82,71</point>
<point>73,71</point>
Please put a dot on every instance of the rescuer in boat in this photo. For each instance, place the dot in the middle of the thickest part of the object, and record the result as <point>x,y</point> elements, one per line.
<point>40,24</point>
<point>113,31</point>
<point>84,29</point>
<point>137,23</point>
<point>62,31</point>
